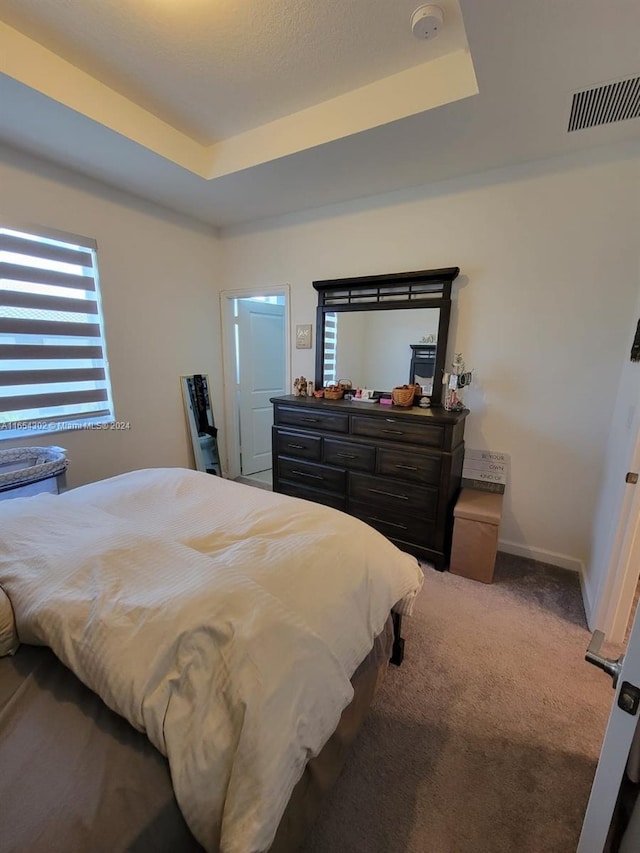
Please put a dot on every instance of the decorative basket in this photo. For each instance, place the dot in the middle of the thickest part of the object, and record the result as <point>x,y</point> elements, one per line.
<point>403,396</point>
<point>333,394</point>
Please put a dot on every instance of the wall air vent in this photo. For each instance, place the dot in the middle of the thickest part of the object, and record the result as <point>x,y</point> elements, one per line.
<point>606,104</point>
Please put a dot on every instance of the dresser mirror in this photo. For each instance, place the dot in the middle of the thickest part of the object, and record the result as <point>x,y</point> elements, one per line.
<point>373,349</point>
<point>366,327</point>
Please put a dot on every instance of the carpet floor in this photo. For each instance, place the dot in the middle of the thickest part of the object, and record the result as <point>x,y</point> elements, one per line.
<point>487,737</point>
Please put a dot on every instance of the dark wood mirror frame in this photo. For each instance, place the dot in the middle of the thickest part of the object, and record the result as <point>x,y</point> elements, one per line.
<point>391,292</point>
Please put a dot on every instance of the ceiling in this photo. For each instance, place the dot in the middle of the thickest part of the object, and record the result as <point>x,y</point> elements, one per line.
<point>231,112</point>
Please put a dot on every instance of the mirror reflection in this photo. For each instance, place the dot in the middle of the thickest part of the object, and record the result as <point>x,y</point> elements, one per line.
<point>202,428</point>
<point>373,349</point>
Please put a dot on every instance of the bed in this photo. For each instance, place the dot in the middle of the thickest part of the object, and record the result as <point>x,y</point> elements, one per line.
<point>196,657</point>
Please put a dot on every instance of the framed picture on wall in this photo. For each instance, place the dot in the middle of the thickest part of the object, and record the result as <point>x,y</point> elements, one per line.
<point>303,336</point>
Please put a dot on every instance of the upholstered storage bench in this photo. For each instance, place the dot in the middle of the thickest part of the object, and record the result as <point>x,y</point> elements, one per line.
<point>477,518</point>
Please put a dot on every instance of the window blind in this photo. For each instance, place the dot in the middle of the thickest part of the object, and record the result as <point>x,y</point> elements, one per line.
<point>330,348</point>
<point>53,362</point>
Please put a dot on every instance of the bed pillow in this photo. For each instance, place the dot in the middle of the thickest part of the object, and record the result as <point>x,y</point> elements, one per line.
<point>9,641</point>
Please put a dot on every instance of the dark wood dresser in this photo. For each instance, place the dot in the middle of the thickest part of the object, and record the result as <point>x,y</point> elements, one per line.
<point>396,468</point>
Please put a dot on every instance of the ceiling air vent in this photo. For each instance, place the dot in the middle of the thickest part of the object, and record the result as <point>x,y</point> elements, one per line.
<point>611,102</point>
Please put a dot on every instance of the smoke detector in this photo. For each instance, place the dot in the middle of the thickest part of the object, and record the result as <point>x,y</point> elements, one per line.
<point>426,21</point>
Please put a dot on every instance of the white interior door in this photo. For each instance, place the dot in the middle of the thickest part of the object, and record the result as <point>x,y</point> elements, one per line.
<point>262,371</point>
<point>615,752</point>
<point>614,557</point>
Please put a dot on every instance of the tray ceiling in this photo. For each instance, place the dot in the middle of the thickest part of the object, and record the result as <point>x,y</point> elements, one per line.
<point>231,112</point>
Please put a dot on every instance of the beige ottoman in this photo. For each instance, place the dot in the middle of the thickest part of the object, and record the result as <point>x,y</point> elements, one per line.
<point>475,535</point>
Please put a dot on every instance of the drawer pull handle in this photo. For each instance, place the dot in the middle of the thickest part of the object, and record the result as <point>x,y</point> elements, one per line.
<point>394,431</point>
<point>347,455</point>
<point>390,420</point>
<point>310,420</point>
<point>404,467</point>
<point>389,494</point>
<point>389,523</point>
<point>305,474</point>
<point>296,446</point>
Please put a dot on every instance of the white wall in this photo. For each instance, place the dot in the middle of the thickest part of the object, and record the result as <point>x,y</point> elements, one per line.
<point>388,344</point>
<point>351,329</point>
<point>159,274</point>
<point>544,307</point>
<point>374,352</point>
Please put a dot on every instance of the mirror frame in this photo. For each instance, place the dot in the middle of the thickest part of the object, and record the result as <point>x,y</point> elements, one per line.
<point>390,292</point>
<point>191,414</point>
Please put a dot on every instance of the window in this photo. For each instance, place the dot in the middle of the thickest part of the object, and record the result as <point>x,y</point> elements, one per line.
<point>330,348</point>
<point>54,373</point>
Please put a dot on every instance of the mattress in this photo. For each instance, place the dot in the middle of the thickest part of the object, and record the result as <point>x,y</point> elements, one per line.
<point>222,621</point>
<point>76,776</point>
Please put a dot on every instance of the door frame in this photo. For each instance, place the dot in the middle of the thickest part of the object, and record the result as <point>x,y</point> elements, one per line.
<point>614,754</point>
<point>232,426</point>
<point>616,601</point>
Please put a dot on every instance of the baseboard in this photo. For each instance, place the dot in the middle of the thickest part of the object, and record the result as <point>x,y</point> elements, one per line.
<point>561,560</point>
<point>258,485</point>
<point>586,601</point>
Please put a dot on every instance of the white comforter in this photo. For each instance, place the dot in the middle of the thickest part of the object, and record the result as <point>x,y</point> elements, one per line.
<point>222,620</point>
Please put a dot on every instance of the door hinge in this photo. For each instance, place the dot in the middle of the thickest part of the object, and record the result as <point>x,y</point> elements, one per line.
<point>631,477</point>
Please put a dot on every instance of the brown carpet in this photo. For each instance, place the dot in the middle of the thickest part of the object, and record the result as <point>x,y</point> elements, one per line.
<point>487,738</point>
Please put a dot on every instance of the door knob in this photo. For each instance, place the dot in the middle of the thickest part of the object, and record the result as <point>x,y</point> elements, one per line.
<point>611,667</point>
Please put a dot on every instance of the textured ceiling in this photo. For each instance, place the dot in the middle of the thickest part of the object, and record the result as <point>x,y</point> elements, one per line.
<point>214,68</point>
<point>502,100</point>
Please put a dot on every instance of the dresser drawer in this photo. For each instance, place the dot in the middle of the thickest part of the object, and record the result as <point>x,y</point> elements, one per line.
<point>358,457</point>
<point>409,528</point>
<point>415,467</point>
<point>299,444</point>
<point>394,495</point>
<point>326,498</point>
<point>326,421</point>
<point>396,469</point>
<point>315,476</point>
<point>395,429</point>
